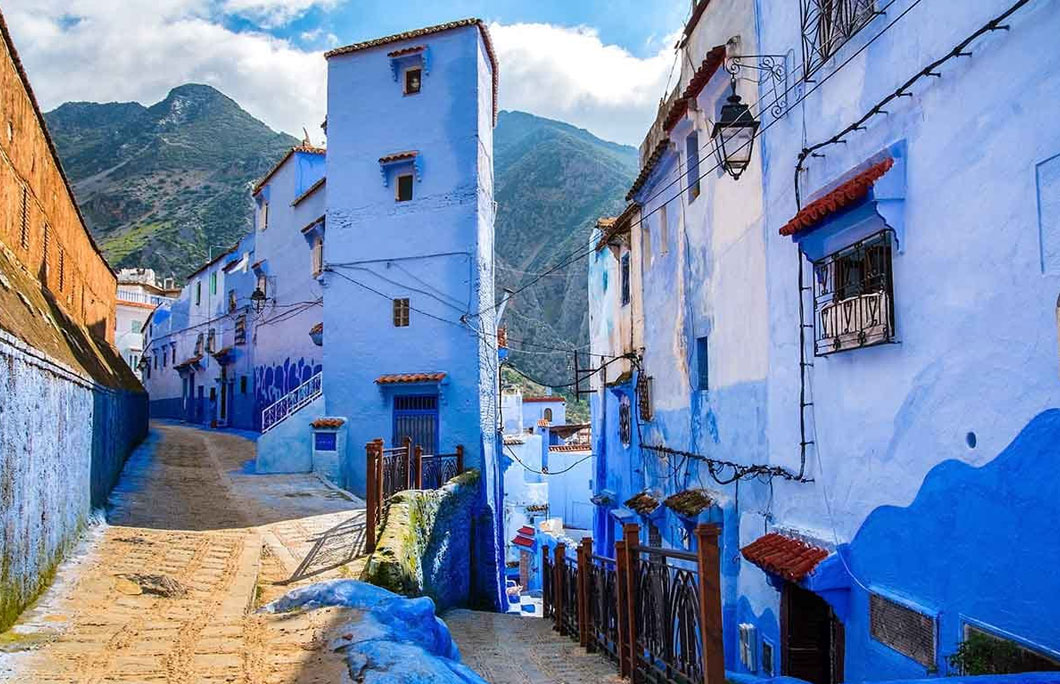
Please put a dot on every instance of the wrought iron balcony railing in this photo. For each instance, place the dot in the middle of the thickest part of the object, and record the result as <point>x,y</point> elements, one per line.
<point>290,403</point>
<point>827,25</point>
<point>854,297</point>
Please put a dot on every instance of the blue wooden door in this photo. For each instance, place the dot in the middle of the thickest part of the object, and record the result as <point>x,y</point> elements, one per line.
<point>416,416</point>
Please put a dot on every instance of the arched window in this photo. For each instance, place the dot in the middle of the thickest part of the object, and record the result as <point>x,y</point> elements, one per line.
<point>548,415</point>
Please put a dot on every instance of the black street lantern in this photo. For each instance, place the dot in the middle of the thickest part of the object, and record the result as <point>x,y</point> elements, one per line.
<point>258,299</point>
<point>734,135</point>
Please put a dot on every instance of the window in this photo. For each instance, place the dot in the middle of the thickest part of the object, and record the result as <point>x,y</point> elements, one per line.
<point>664,231</point>
<point>211,338</point>
<point>645,245</point>
<point>213,394</point>
<point>703,363</point>
<point>263,285</point>
<point>625,279</point>
<point>853,296</point>
<point>264,215</point>
<point>828,24</point>
<point>136,326</point>
<point>767,658</point>
<point>213,283</point>
<point>401,313</point>
<point>692,159</point>
<point>231,301</point>
<point>413,79</point>
<point>404,187</point>
<point>173,349</point>
<point>24,233</point>
<point>198,292</point>
<point>982,652</point>
<point>644,397</point>
<point>240,330</point>
<point>625,423</point>
<point>748,644</point>
<point>198,344</point>
<point>62,269</point>
<point>905,630</point>
<point>318,256</point>
<point>165,357</point>
<point>548,415</point>
<point>243,384</point>
<point>154,359</point>
<point>654,536</point>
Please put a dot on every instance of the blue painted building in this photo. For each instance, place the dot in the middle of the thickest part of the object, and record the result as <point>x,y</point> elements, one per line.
<point>862,382</point>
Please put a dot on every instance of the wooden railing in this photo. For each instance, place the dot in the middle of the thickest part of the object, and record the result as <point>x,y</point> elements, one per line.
<point>656,611</point>
<point>395,469</point>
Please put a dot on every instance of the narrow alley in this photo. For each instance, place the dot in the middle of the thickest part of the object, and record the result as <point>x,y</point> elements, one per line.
<point>164,592</point>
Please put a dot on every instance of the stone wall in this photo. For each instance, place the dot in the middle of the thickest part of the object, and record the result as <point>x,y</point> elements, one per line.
<point>56,247</point>
<point>63,442</point>
<point>425,545</point>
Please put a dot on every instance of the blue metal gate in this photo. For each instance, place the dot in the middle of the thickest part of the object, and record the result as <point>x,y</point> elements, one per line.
<point>416,417</point>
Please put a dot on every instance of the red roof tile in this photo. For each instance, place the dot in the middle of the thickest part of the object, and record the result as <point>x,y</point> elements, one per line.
<point>543,399</point>
<point>847,194</point>
<point>643,503</point>
<point>523,541</point>
<point>790,558</point>
<point>526,531</point>
<point>649,166</point>
<point>398,156</point>
<point>407,51</point>
<point>714,59</point>
<point>396,378</point>
<point>328,422</point>
<point>569,447</point>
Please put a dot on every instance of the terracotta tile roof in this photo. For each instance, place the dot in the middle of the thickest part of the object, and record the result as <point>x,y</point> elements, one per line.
<point>543,422</point>
<point>617,225</point>
<point>537,508</point>
<point>526,531</point>
<point>318,328</point>
<point>514,439</point>
<point>697,12</point>
<point>398,156</point>
<point>680,106</point>
<point>690,502</point>
<point>569,447</point>
<point>396,378</point>
<point>407,51</point>
<point>847,194</point>
<point>787,557</point>
<point>543,399</point>
<point>520,540</point>
<point>186,363</point>
<point>328,422</point>
<point>308,149</point>
<point>426,31</point>
<point>313,224</point>
<point>309,191</point>
<point>714,59</point>
<point>649,166</point>
<point>224,351</point>
<point>643,503</point>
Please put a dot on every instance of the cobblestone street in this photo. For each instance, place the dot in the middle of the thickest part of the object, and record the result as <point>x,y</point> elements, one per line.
<point>164,591</point>
<point>509,649</point>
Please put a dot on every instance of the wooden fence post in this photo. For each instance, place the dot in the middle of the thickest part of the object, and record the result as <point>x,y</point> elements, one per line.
<point>707,559</point>
<point>379,483</point>
<point>557,585</point>
<point>620,598</point>
<point>585,560</point>
<point>631,535</point>
<point>418,465</point>
<point>547,600</point>
<point>372,492</point>
<point>408,462</point>
<point>459,459</point>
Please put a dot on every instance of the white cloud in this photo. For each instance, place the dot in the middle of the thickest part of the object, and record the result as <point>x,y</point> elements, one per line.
<point>102,50</point>
<point>571,75</point>
<point>272,13</point>
<point>137,50</point>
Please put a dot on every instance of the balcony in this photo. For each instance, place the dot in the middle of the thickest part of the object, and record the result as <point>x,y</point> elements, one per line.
<point>854,297</point>
<point>141,297</point>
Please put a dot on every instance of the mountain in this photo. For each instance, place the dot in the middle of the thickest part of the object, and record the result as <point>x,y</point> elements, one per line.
<point>553,182</point>
<point>161,185</point>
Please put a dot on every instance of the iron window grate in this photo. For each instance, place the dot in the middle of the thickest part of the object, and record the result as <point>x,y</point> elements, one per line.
<point>905,630</point>
<point>827,25</point>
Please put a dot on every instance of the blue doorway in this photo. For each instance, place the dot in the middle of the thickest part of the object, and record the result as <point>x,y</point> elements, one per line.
<point>416,417</point>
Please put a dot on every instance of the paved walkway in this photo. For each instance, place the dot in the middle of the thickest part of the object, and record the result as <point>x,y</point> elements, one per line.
<point>164,592</point>
<point>509,649</point>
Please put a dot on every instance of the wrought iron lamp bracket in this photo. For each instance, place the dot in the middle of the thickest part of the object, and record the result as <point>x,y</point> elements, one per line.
<point>770,74</point>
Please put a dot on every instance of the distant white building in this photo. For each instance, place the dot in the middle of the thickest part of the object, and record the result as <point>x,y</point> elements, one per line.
<point>139,292</point>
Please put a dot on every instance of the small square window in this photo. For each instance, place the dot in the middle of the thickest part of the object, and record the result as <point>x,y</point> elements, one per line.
<point>413,80</point>
<point>703,363</point>
<point>404,187</point>
<point>625,279</point>
<point>243,384</point>
<point>401,313</point>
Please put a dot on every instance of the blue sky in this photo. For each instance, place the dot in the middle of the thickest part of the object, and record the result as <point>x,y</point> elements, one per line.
<point>601,65</point>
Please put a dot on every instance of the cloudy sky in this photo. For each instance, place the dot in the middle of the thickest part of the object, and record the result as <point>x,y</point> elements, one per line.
<point>599,64</point>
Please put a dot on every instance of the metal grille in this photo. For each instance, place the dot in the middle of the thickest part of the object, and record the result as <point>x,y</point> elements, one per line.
<point>240,334</point>
<point>602,586</point>
<point>416,417</point>
<point>667,618</point>
<point>827,25</point>
<point>854,296</point>
<point>903,629</point>
<point>625,426</point>
<point>644,397</point>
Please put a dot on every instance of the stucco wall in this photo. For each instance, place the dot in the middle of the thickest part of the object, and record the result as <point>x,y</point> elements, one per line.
<point>63,442</point>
